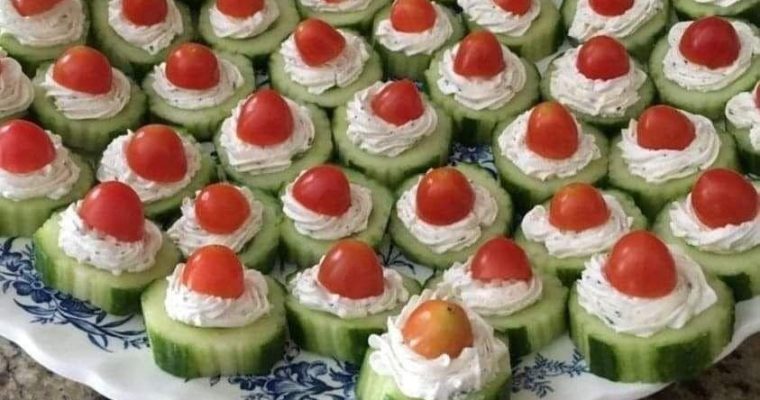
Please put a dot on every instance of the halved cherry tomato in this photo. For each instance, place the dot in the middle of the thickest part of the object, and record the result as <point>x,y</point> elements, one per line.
<point>552,131</point>
<point>479,55</point>
<point>215,271</point>
<point>723,197</point>
<point>577,207</point>
<point>84,69</point>
<point>757,96</point>
<point>318,42</point>
<point>641,265</point>
<point>444,196</point>
<point>610,8</point>
<point>145,12</point>
<point>114,209</point>
<point>603,57</point>
<point>398,102</point>
<point>516,7</point>
<point>412,15</point>
<point>28,8</point>
<point>192,66</point>
<point>323,189</point>
<point>24,147</point>
<point>156,153</point>
<point>221,208</point>
<point>239,8</point>
<point>265,120</point>
<point>438,327</point>
<point>711,42</point>
<point>500,259</point>
<point>663,127</point>
<point>352,269</point>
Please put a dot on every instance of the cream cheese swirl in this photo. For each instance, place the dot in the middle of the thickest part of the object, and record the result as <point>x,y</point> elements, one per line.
<point>225,26</point>
<point>78,105</point>
<point>16,90</point>
<point>493,18</point>
<point>62,24</point>
<point>151,38</point>
<point>587,23</point>
<point>413,43</point>
<point>744,113</point>
<point>230,79</point>
<point>336,6</point>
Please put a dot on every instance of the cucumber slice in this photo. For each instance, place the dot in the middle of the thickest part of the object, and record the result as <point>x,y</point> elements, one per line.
<point>190,352</point>
<point>260,252</point>
<point>306,252</point>
<point>749,157</point>
<point>320,151</point>
<point>118,295</point>
<point>672,354</point>
<point>745,9</point>
<point>357,20</point>
<point>422,254</point>
<point>23,218</point>
<point>331,336</point>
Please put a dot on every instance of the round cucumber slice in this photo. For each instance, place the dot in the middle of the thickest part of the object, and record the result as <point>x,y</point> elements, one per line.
<point>745,9</point>
<point>260,252</point>
<point>357,20</point>
<point>748,155</point>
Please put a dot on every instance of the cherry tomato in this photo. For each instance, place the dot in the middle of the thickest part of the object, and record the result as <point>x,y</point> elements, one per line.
<point>500,259</point>
<point>84,69</point>
<point>221,208</point>
<point>398,102</point>
<point>239,8</point>
<point>114,209</point>
<point>516,7</point>
<point>192,66</point>
<point>215,271</point>
<point>438,327</point>
<point>664,128</point>
<point>352,269</point>
<point>641,265</point>
<point>603,57</point>
<point>723,197</point>
<point>479,55</point>
<point>318,42</point>
<point>444,196</point>
<point>577,207</point>
<point>156,153</point>
<point>24,147</point>
<point>552,131</point>
<point>145,12</point>
<point>412,15</point>
<point>610,8</point>
<point>711,42</point>
<point>266,119</point>
<point>28,8</point>
<point>757,96</point>
<point>323,189</point>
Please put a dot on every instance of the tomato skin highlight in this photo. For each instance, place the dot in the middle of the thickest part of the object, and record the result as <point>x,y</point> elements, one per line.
<point>351,269</point>
<point>318,42</point>
<point>145,12</point>
<point>97,211</point>
<point>641,265</point>
<point>479,55</point>
<point>193,66</point>
<point>722,197</point>
<point>516,7</point>
<point>323,189</point>
<point>85,70</point>
<point>663,127</point>
<point>24,147</point>
<point>611,8</point>
<point>221,208</point>
<point>711,42</point>
<point>398,102</point>
<point>578,207</point>
<point>30,8</point>
<point>412,16</point>
<point>444,196</point>
<point>266,119</point>
<point>552,131</point>
<point>156,153</point>
<point>604,58</point>
<point>501,259</point>
<point>239,8</point>
<point>438,327</point>
<point>214,271</point>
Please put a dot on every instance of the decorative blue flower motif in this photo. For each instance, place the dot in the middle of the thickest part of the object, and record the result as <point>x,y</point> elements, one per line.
<point>536,378</point>
<point>477,154</point>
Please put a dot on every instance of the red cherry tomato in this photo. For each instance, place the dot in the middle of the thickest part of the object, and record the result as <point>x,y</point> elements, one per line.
<point>664,128</point>
<point>192,66</point>
<point>641,265</point>
<point>145,12</point>
<point>444,196</point>
<point>239,8</point>
<point>318,42</point>
<point>501,259</point>
<point>516,7</point>
<point>757,96</point>
<point>28,8</point>
<point>577,207</point>
<point>438,327</point>
<point>221,208</point>
<point>215,271</point>
<point>323,189</point>
<point>24,147</point>
<point>603,57</point>
<point>479,55</point>
<point>412,15</point>
<point>156,153</point>
<point>84,69</point>
<point>398,102</point>
<point>552,131</point>
<point>711,42</point>
<point>610,8</point>
<point>265,119</point>
<point>723,197</point>
<point>352,269</point>
<point>114,209</point>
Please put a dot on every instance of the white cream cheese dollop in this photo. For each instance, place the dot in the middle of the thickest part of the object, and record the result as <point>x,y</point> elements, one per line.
<point>743,113</point>
<point>225,26</point>
<point>495,19</point>
<point>16,90</point>
<point>413,43</point>
<point>62,24</point>
<point>336,6</point>
<point>230,79</point>
<point>588,23</point>
<point>719,3</point>
<point>151,38</point>
<point>85,106</point>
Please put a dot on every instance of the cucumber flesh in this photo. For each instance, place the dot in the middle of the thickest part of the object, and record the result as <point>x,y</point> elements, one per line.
<point>261,251</point>
<point>748,155</point>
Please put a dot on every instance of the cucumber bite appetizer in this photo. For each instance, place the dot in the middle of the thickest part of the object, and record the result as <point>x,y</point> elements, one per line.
<point>599,83</point>
<point>744,9</point>
<point>197,88</point>
<point>16,89</point>
<point>544,149</point>
<point>334,306</point>
<point>269,139</point>
<point>717,225</point>
<point>702,64</point>
<point>647,313</point>
<point>352,14</point>
<point>444,215</point>
<point>37,176</point>
<point>579,222</point>
<point>323,65</point>
<point>85,100</point>
<point>326,203</point>
<point>743,122</point>
<point>213,317</point>
<point>479,82</point>
<point>103,250</point>
<point>437,348</point>
<point>246,221</point>
<point>391,131</point>
<point>160,164</point>
<point>407,33</point>
<point>659,157</point>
